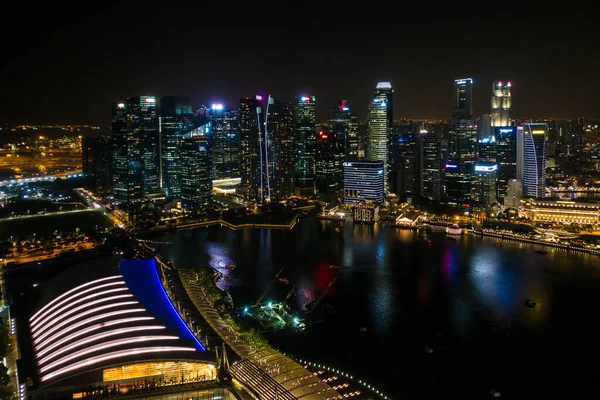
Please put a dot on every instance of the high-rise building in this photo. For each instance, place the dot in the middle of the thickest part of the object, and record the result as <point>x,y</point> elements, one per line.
<point>379,121</point>
<point>250,119</point>
<point>501,104</point>
<point>305,138</point>
<point>432,166</point>
<point>487,149</point>
<point>226,142</point>
<point>176,119</point>
<point>196,177</point>
<point>96,160</point>
<point>514,193</point>
<point>121,142</point>
<point>363,180</point>
<point>457,183</point>
<point>406,165</point>
<point>344,123</point>
<point>142,122</point>
<point>463,108</point>
<point>531,161</point>
<point>329,158</point>
<point>483,185</point>
<point>506,158</point>
<point>280,151</point>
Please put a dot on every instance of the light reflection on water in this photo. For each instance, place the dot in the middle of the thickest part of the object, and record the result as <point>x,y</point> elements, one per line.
<point>402,290</point>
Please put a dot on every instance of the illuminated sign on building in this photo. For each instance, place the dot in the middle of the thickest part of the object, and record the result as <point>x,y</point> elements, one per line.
<point>485,168</point>
<point>505,130</point>
<point>217,106</point>
<point>538,131</point>
<point>258,97</point>
<point>451,166</point>
<point>463,81</point>
<point>347,164</point>
<point>150,100</point>
<point>121,105</point>
<point>304,98</point>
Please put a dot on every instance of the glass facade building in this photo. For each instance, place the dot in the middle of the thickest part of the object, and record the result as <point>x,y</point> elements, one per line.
<point>432,166</point>
<point>226,142</point>
<point>330,154</point>
<point>120,152</point>
<point>379,122</point>
<point>363,180</point>
<point>501,104</point>
<point>250,118</point>
<point>305,138</point>
<point>281,151</point>
<point>196,187</point>
<point>344,123</point>
<point>142,122</point>
<point>531,165</point>
<point>483,185</point>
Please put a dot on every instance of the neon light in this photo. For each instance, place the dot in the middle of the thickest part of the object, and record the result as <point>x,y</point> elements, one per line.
<point>121,105</point>
<point>345,109</point>
<point>451,166</point>
<point>92,319</point>
<point>88,330</point>
<point>42,320</point>
<point>113,355</point>
<point>99,336</point>
<point>150,100</point>
<point>538,131</point>
<point>258,97</point>
<point>217,107</point>
<point>485,168</point>
<point>44,327</point>
<point>93,310</point>
<point>347,164</point>
<point>505,130</point>
<point>304,98</point>
<point>107,345</point>
<point>71,291</point>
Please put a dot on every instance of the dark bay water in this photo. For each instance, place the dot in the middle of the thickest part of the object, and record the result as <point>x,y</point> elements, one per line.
<point>463,299</point>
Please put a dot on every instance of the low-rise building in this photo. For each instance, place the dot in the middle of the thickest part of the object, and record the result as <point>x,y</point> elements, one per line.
<point>366,212</point>
<point>409,219</point>
<point>562,211</point>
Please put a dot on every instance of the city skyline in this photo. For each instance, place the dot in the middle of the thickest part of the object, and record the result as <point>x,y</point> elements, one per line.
<point>79,63</point>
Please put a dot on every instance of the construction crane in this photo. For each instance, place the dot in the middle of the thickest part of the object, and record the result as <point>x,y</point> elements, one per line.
<point>316,303</point>
<point>262,296</point>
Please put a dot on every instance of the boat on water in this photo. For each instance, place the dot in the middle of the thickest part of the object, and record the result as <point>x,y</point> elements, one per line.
<point>498,243</point>
<point>453,229</point>
<point>231,267</point>
<point>335,267</point>
<point>283,280</point>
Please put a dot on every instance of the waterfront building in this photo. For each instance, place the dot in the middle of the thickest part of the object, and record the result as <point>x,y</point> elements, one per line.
<point>142,125</point>
<point>250,172</point>
<point>366,212</point>
<point>175,120</point>
<point>280,173</point>
<point>432,166</point>
<point>406,165</point>
<point>457,183</point>
<point>514,193</point>
<point>329,157</point>
<point>343,122</point>
<point>305,138</point>
<point>483,185</point>
<point>506,158</point>
<point>379,122</point>
<point>363,180</point>
<point>226,142</point>
<point>531,162</point>
<point>501,104</point>
<point>96,161</point>
<point>196,187</point>
<point>560,211</point>
<point>409,219</point>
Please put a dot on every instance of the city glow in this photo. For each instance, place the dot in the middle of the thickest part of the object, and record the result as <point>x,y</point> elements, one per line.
<point>111,356</point>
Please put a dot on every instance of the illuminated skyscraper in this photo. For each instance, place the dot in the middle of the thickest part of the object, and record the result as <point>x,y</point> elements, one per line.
<point>379,121</point>
<point>226,142</point>
<point>328,160</point>
<point>344,123</point>
<point>506,158</point>
<point>250,118</point>
<point>432,166</point>
<point>531,161</point>
<point>483,185</point>
<point>196,187</point>
<point>501,103</point>
<point>175,120</point>
<point>281,151</point>
<point>305,138</point>
<point>363,180</point>
<point>457,183</point>
<point>405,165</point>
<point>120,153</point>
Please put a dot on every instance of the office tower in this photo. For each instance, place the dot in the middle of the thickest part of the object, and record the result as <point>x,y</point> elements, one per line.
<point>226,142</point>
<point>514,193</point>
<point>506,158</point>
<point>96,160</point>
<point>363,139</point>
<point>457,183</point>
<point>363,181</point>
<point>344,123</point>
<point>250,118</point>
<point>487,149</point>
<point>405,166</point>
<point>281,151</point>
<point>142,123</point>
<point>329,157</point>
<point>120,154</point>
<point>379,122</point>
<point>484,127</point>
<point>176,119</point>
<point>196,175</point>
<point>483,185</point>
<point>501,103</point>
<point>531,161</point>
<point>432,166</point>
<point>305,138</point>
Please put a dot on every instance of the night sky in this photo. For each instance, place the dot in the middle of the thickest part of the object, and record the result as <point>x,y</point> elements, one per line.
<point>64,62</point>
